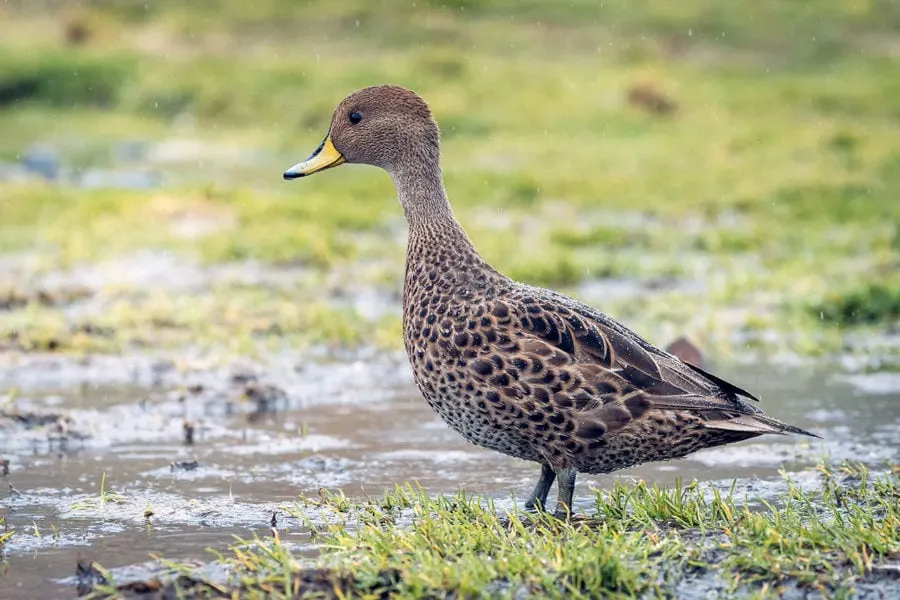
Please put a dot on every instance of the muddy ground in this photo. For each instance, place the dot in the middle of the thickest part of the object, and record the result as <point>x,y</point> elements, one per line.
<point>191,453</point>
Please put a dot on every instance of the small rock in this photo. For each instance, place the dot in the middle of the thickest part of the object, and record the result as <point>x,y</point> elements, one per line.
<point>189,429</point>
<point>891,570</point>
<point>647,97</point>
<point>87,577</point>
<point>184,465</point>
<point>242,376</point>
<point>77,30</point>
<point>266,398</point>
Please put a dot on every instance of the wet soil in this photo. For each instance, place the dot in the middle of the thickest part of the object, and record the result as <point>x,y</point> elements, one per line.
<point>191,453</point>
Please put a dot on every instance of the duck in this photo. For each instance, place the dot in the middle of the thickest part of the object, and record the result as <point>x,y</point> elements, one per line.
<point>518,369</point>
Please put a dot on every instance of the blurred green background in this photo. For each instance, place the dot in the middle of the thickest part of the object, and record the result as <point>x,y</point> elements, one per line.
<point>724,170</point>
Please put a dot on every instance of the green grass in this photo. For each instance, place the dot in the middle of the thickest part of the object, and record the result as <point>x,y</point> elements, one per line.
<point>772,184</point>
<point>105,497</point>
<point>62,79</point>
<point>243,320</point>
<point>7,534</point>
<point>643,541</point>
<point>866,304</point>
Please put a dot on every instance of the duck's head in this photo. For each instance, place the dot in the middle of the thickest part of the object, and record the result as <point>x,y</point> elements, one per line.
<point>385,126</point>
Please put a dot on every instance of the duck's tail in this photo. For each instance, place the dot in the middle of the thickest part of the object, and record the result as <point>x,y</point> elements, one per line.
<point>758,424</point>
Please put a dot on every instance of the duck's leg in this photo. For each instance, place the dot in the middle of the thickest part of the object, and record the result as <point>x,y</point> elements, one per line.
<point>566,490</point>
<point>538,498</point>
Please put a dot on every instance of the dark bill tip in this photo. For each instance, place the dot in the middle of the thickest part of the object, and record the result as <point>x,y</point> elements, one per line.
<point>324,157</point>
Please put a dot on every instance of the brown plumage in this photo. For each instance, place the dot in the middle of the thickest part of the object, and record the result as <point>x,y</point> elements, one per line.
<point>519,369</point>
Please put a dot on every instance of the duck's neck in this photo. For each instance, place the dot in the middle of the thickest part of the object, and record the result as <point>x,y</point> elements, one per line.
<point>439,253</point>
<point>427,209</point>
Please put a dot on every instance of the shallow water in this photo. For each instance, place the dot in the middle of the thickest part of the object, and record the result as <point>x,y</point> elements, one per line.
<point>262,435</point>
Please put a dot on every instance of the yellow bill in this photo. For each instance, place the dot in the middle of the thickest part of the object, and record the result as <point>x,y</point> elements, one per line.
<point>324,157</point>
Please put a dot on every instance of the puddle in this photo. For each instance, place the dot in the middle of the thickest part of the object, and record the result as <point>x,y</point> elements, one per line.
<point>262,434</point>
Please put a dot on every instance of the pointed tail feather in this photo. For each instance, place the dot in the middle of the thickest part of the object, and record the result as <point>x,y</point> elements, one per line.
<point>758,424</point>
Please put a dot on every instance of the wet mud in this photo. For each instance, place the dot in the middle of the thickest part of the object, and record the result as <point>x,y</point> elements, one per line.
<point>116,458</point>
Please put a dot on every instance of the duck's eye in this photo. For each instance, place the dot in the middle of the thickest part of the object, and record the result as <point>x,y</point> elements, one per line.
<point>355,118</point>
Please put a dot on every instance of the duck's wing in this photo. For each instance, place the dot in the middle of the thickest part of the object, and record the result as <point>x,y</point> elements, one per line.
<point>598,367</point>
